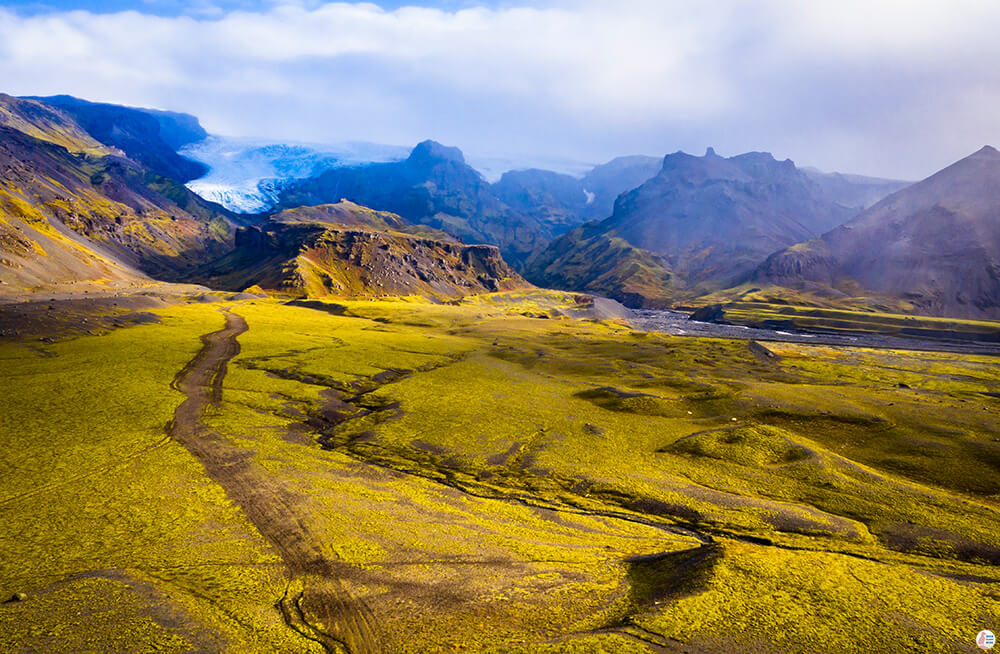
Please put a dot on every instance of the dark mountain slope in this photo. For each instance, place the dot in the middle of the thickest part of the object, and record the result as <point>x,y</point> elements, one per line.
<point>935,244</point>
<point>433,187</point>
<point>149,137</point>
<point>710,220</point>
<point>591,259</point>
<point>561,202</point>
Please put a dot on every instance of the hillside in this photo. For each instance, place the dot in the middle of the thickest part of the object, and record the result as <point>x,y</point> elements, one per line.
<point>89,216</point>
<point>47,123</point>
<point>934,245</point>
<point>346,250</point>
<point>147,136</point>
<point>592,260</point>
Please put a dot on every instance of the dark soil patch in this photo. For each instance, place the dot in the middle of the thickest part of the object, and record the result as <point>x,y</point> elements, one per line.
<point>670,575</point>
<point>51,319</point>
<point>919,539</point>
<point>328,307</point>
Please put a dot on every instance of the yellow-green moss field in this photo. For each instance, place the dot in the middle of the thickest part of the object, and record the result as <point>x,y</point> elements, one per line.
<point>496,482</point>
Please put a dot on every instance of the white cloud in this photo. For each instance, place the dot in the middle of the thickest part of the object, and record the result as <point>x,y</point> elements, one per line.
<point>891,87</point>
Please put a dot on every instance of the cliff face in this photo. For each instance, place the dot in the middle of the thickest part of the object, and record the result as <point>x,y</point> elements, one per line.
<point>318,260</point>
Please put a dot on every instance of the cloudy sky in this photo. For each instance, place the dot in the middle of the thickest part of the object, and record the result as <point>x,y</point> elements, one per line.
<point>884,87</point>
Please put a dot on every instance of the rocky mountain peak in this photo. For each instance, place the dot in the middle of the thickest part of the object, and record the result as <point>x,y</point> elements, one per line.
<point>433,152</point>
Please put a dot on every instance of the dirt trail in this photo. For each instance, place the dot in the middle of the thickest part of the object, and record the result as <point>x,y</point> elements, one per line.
<point>320,609</point>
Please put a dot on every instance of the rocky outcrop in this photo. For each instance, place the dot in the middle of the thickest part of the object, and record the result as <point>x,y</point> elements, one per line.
<point>330,260</point>
<point>806,261</point>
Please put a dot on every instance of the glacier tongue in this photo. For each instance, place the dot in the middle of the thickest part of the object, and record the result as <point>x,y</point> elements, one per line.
<point>246,175</point>
<point>238,198</point>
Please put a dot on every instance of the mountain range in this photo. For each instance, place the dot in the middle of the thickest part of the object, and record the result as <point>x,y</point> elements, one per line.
<point>84,202</point>
<point>92,192</point>
<point>435,186</point>
<point>700,224</point>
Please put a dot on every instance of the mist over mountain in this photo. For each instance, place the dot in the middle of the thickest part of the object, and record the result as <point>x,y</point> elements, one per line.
<point>566,201</point>
<point>935,245</point>
<point>607,181</point>
<point>855,191</point>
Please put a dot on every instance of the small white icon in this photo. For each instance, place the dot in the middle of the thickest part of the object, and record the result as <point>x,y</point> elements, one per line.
<point>986,639</point>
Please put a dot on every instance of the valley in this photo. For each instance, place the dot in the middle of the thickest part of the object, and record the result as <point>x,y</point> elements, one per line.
<point>381,403</point>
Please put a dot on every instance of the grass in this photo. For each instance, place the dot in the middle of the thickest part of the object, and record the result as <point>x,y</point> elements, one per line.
<point>497,482</point>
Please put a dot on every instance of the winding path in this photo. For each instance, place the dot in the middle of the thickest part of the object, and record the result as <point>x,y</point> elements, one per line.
<point>322,610</point>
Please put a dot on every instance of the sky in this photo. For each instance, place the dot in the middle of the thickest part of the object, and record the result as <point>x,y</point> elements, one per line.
<point>893,88</point>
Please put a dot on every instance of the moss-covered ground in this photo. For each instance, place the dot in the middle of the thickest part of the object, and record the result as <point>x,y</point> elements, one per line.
<point>493,477</point>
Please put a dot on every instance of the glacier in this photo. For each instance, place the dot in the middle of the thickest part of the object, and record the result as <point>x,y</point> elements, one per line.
<point>246,175</point>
